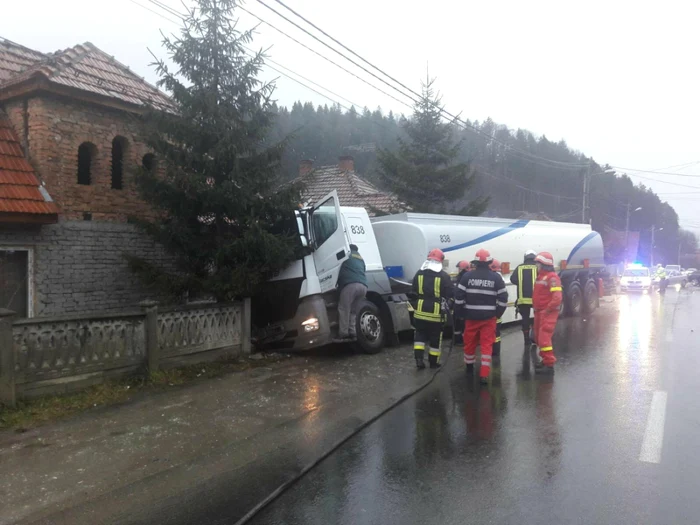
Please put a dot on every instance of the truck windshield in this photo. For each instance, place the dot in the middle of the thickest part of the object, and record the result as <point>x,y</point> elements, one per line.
<point>636,272</point>
<point>324,221</point>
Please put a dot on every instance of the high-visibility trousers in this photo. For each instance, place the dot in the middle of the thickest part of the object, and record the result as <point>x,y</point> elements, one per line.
<point>427,335</point>
<point>497,341</point>
<point>545,322</point>
<point>475,333</point>
<point>524,310</point>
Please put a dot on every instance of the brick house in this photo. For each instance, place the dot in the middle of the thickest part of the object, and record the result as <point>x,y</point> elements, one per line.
<point>352,189</point>
<point>69,136</point>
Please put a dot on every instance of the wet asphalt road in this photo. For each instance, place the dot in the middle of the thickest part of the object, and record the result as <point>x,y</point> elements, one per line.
<point>613,437</point>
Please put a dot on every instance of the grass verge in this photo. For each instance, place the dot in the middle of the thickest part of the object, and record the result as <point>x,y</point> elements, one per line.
<point>32,412</point>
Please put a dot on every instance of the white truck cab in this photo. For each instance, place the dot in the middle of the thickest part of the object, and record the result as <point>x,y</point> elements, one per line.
<point>328,229</point>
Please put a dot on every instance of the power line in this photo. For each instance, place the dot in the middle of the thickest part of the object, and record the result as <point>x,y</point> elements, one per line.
<point>324,57</point>
<point>663,181</point>
<point>442,110</point>
<point>657,172</point>
<point>166,8</point>
<point>154,12</point>
<point>479,170</point>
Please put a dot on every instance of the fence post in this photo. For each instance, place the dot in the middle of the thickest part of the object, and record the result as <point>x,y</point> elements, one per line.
<point>7,359</point>
<point>151,327</point>
<point>246,321</point>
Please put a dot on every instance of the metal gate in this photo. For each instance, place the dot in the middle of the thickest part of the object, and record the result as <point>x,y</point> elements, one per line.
<point>14,281</point>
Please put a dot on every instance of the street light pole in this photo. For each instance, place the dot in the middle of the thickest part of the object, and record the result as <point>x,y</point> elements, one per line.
<point>651,259</point>
<point>627,228</point>
<point>585,196</point>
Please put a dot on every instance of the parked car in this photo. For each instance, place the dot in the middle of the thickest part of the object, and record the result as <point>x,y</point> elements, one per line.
<point>636,278</point>
<point>673,268</point>
<point>674,276</point>
<point>694,278</point>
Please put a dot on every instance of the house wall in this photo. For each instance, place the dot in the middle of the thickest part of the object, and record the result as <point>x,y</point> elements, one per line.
<point>52,128</point>
<point>79,266</point>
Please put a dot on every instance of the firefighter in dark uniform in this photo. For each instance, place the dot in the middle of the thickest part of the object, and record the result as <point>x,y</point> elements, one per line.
<point>524,277</point>
<point>432,285</point>
<point>463,267</point>
<point>482,296</point>
<point>496,267</point>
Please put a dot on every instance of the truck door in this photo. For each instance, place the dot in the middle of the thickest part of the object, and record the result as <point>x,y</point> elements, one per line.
<point>329,243</point>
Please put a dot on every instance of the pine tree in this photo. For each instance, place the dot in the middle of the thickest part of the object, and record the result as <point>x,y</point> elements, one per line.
<point>220,210</point>
<point>425,172</point>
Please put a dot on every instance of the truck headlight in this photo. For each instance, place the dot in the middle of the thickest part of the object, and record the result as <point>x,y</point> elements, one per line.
<point>310,325</point>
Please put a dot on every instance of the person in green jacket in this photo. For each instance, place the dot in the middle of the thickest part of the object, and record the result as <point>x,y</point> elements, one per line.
<point>352,283</point>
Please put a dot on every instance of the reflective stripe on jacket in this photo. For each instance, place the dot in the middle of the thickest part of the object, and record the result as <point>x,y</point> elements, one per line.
<point>431,287</point>
<point>524,278</point>
<point>548,292</point>
<point>481,294</point>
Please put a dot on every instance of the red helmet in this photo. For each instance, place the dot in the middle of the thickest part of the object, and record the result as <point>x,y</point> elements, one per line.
<point>495,265</point>
<point>545,258</point>
<point>436,255</point>
<point>463,265</point>
<point>483,255</point>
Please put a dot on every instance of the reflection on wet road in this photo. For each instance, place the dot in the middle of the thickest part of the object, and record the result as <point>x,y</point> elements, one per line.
<point>527,449</point>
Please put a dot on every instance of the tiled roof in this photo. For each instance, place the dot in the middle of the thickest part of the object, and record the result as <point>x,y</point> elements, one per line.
<point>20,190</point>
<point>83,67</point>
<point>15,58</point>
<point>352,190</point>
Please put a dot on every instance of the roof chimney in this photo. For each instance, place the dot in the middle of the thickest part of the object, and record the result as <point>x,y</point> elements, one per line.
<point>305,167</point>
<point>346,163</point>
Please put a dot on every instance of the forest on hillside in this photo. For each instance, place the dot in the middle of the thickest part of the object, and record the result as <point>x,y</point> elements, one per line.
<point>519,172</point>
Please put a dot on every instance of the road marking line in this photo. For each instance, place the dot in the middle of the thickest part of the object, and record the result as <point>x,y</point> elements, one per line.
<point>654,433</point>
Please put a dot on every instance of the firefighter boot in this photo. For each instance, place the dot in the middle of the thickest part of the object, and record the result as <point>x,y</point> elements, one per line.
<point>542,369</point>
<point>418,354</point>
<point>433,360</point>
<point>470,369</point>
<point>526,338</point>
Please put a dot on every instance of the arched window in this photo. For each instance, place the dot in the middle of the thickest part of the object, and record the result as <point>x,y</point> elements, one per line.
<point>87,152</point>
<point>149,162</point>
<point>119,145</point>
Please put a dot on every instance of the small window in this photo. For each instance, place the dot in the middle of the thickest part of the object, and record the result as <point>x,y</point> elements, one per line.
<point>324,221</point>
<point>86,155</point>
<point>149,162</point>
<point>118,153</point>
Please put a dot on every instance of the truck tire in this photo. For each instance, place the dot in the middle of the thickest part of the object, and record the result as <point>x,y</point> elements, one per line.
<point>574,300</point>
<point>590,297</point>
<point>370,328</point>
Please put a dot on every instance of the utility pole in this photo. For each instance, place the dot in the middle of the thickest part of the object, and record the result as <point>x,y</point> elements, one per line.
<point>586,193</point>
<point>679,253</point>
<point>627,231</point>
<point>651,258</point>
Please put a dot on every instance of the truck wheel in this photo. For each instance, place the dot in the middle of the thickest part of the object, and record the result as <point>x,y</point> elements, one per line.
<point>574,300</point>
<point>590,297</point>
<point>370,328</point>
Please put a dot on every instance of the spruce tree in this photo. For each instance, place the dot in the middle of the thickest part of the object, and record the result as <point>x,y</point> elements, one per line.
<point>220,211</point>
<point>425,172</point>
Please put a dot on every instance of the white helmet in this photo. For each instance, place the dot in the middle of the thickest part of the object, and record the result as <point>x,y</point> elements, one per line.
<point>530,254</point>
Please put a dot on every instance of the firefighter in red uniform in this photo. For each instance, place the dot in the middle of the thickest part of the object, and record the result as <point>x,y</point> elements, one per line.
<point>546,298</point>
<point>496,267</point>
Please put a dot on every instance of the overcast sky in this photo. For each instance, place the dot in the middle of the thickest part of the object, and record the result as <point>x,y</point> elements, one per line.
<point>616,79</point>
